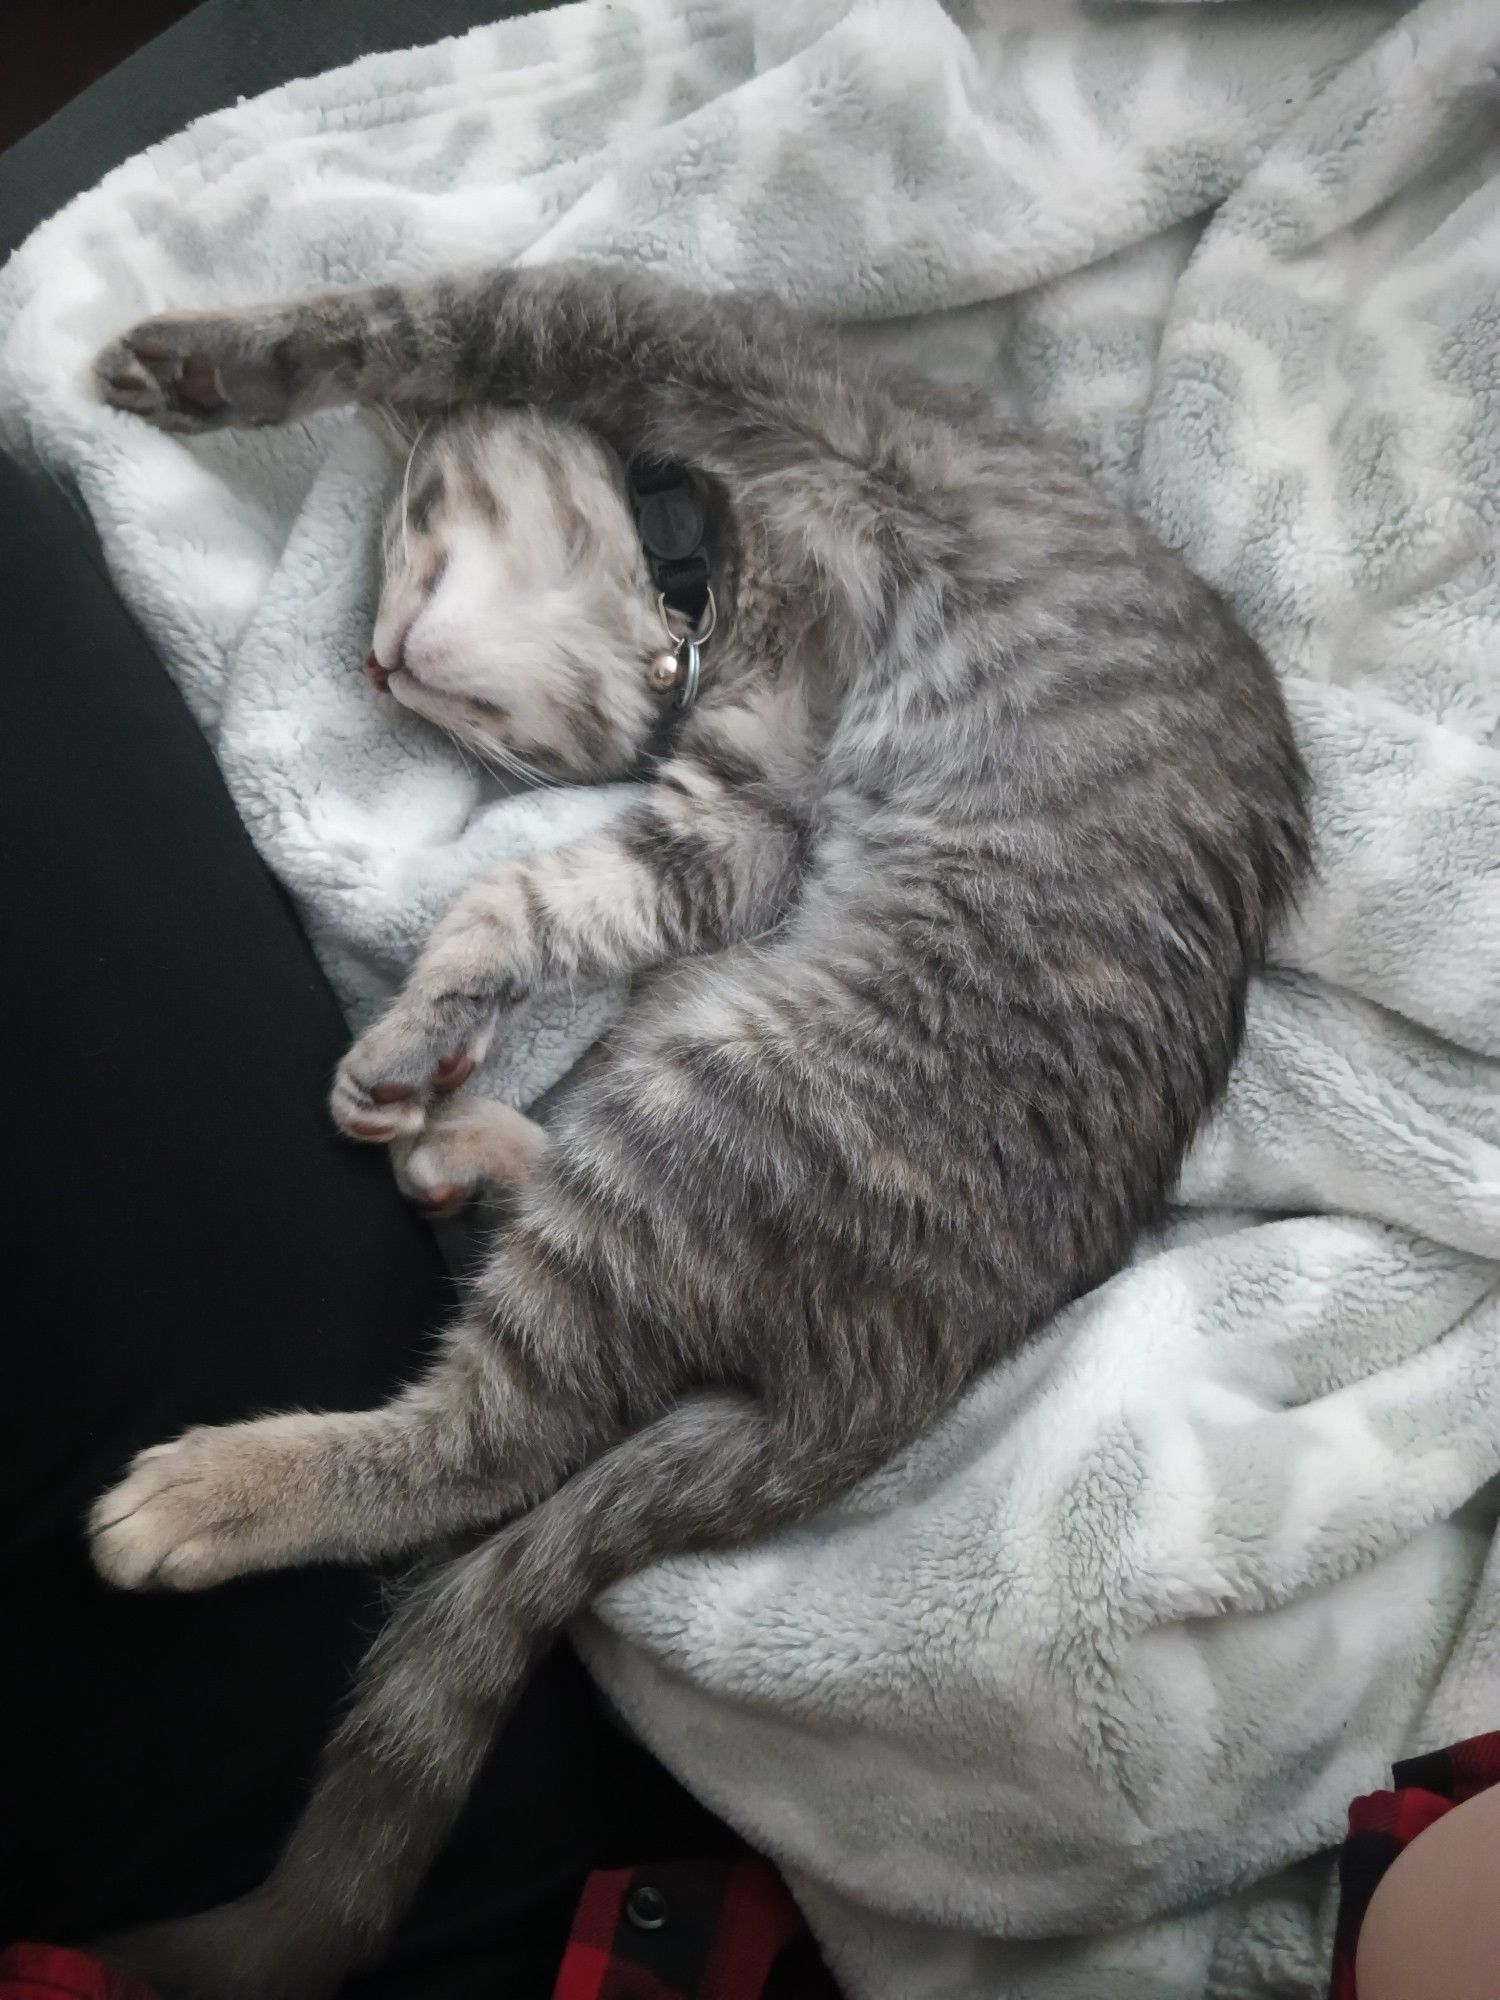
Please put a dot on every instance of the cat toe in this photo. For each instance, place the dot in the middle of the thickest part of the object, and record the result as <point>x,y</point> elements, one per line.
<point>432,1180</point>
<point>375,1111</point>
<point>443,1199</point>
<point>126,382</point>
<point>151,374</point>
<point>385,1087</point>
<point>470,1147</point>
<point>193,372</point>
<point>157,1529</point>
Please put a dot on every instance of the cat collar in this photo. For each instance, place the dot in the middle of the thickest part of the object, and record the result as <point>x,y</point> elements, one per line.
<point>674,538</point>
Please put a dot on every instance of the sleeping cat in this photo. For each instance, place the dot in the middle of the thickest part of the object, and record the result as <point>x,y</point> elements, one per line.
<point>940,902</point>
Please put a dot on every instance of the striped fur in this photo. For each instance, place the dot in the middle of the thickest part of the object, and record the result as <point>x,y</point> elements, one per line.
<point>941,913</point>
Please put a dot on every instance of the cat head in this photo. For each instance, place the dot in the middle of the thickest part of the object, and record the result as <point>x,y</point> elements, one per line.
<point>517,611</point>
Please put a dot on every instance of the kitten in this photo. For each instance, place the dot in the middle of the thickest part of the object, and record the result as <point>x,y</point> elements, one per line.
<point>948,888</point>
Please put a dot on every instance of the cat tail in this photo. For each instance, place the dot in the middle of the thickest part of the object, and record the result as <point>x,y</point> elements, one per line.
<point>717,1470</point>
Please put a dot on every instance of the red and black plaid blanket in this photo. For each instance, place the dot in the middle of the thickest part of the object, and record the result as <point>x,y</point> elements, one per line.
<point>693,1931</point>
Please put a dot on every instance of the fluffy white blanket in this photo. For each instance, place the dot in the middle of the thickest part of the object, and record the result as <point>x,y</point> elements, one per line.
<point>1068,1701</point>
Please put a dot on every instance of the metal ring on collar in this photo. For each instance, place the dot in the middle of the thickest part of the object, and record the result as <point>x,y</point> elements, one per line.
<point>689,646</point>
<point>692,672</point>
<point>705,627</point>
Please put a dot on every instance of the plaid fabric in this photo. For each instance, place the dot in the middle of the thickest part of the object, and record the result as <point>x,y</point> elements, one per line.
<point>1383,1823</point>
<point>689,1930</point>
<point>47,1972</point>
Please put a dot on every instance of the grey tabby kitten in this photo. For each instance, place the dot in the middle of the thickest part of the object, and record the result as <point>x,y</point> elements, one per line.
<point>942,907</point>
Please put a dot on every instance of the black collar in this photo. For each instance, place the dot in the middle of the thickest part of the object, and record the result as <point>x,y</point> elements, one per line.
<point>674,536</point>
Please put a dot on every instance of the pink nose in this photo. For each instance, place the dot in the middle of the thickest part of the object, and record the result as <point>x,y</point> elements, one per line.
<point>378,676</point>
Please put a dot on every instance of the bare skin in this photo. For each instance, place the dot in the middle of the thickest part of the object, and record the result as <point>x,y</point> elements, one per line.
<point>1432,1931</point>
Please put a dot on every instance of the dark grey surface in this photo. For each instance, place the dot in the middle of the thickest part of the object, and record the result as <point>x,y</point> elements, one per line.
<point>223,50</point>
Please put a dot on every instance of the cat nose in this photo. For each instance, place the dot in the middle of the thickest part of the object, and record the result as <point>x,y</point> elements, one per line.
<point>378,676</point>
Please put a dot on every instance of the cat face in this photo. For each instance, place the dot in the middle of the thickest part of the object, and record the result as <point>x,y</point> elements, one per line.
<point>517,612</point>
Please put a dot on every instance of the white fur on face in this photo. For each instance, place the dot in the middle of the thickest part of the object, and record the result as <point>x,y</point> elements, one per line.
<point>517,612</point>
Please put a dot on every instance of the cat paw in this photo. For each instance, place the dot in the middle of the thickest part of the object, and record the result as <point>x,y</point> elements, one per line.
<point>465,1149</point>
<point>198,1510</point>
<point>194,372</point>
<point>417,1053</point>
<point>478,963</point>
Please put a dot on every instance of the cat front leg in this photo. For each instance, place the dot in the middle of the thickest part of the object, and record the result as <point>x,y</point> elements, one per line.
<point>479,963</point>
<point>478,1437</point>
<point>237,370</point>
<point>711,854</point>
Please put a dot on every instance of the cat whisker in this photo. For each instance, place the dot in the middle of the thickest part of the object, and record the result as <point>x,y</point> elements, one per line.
<point>500,762</point>
<point>463,755</point>
<point>406,490</point>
